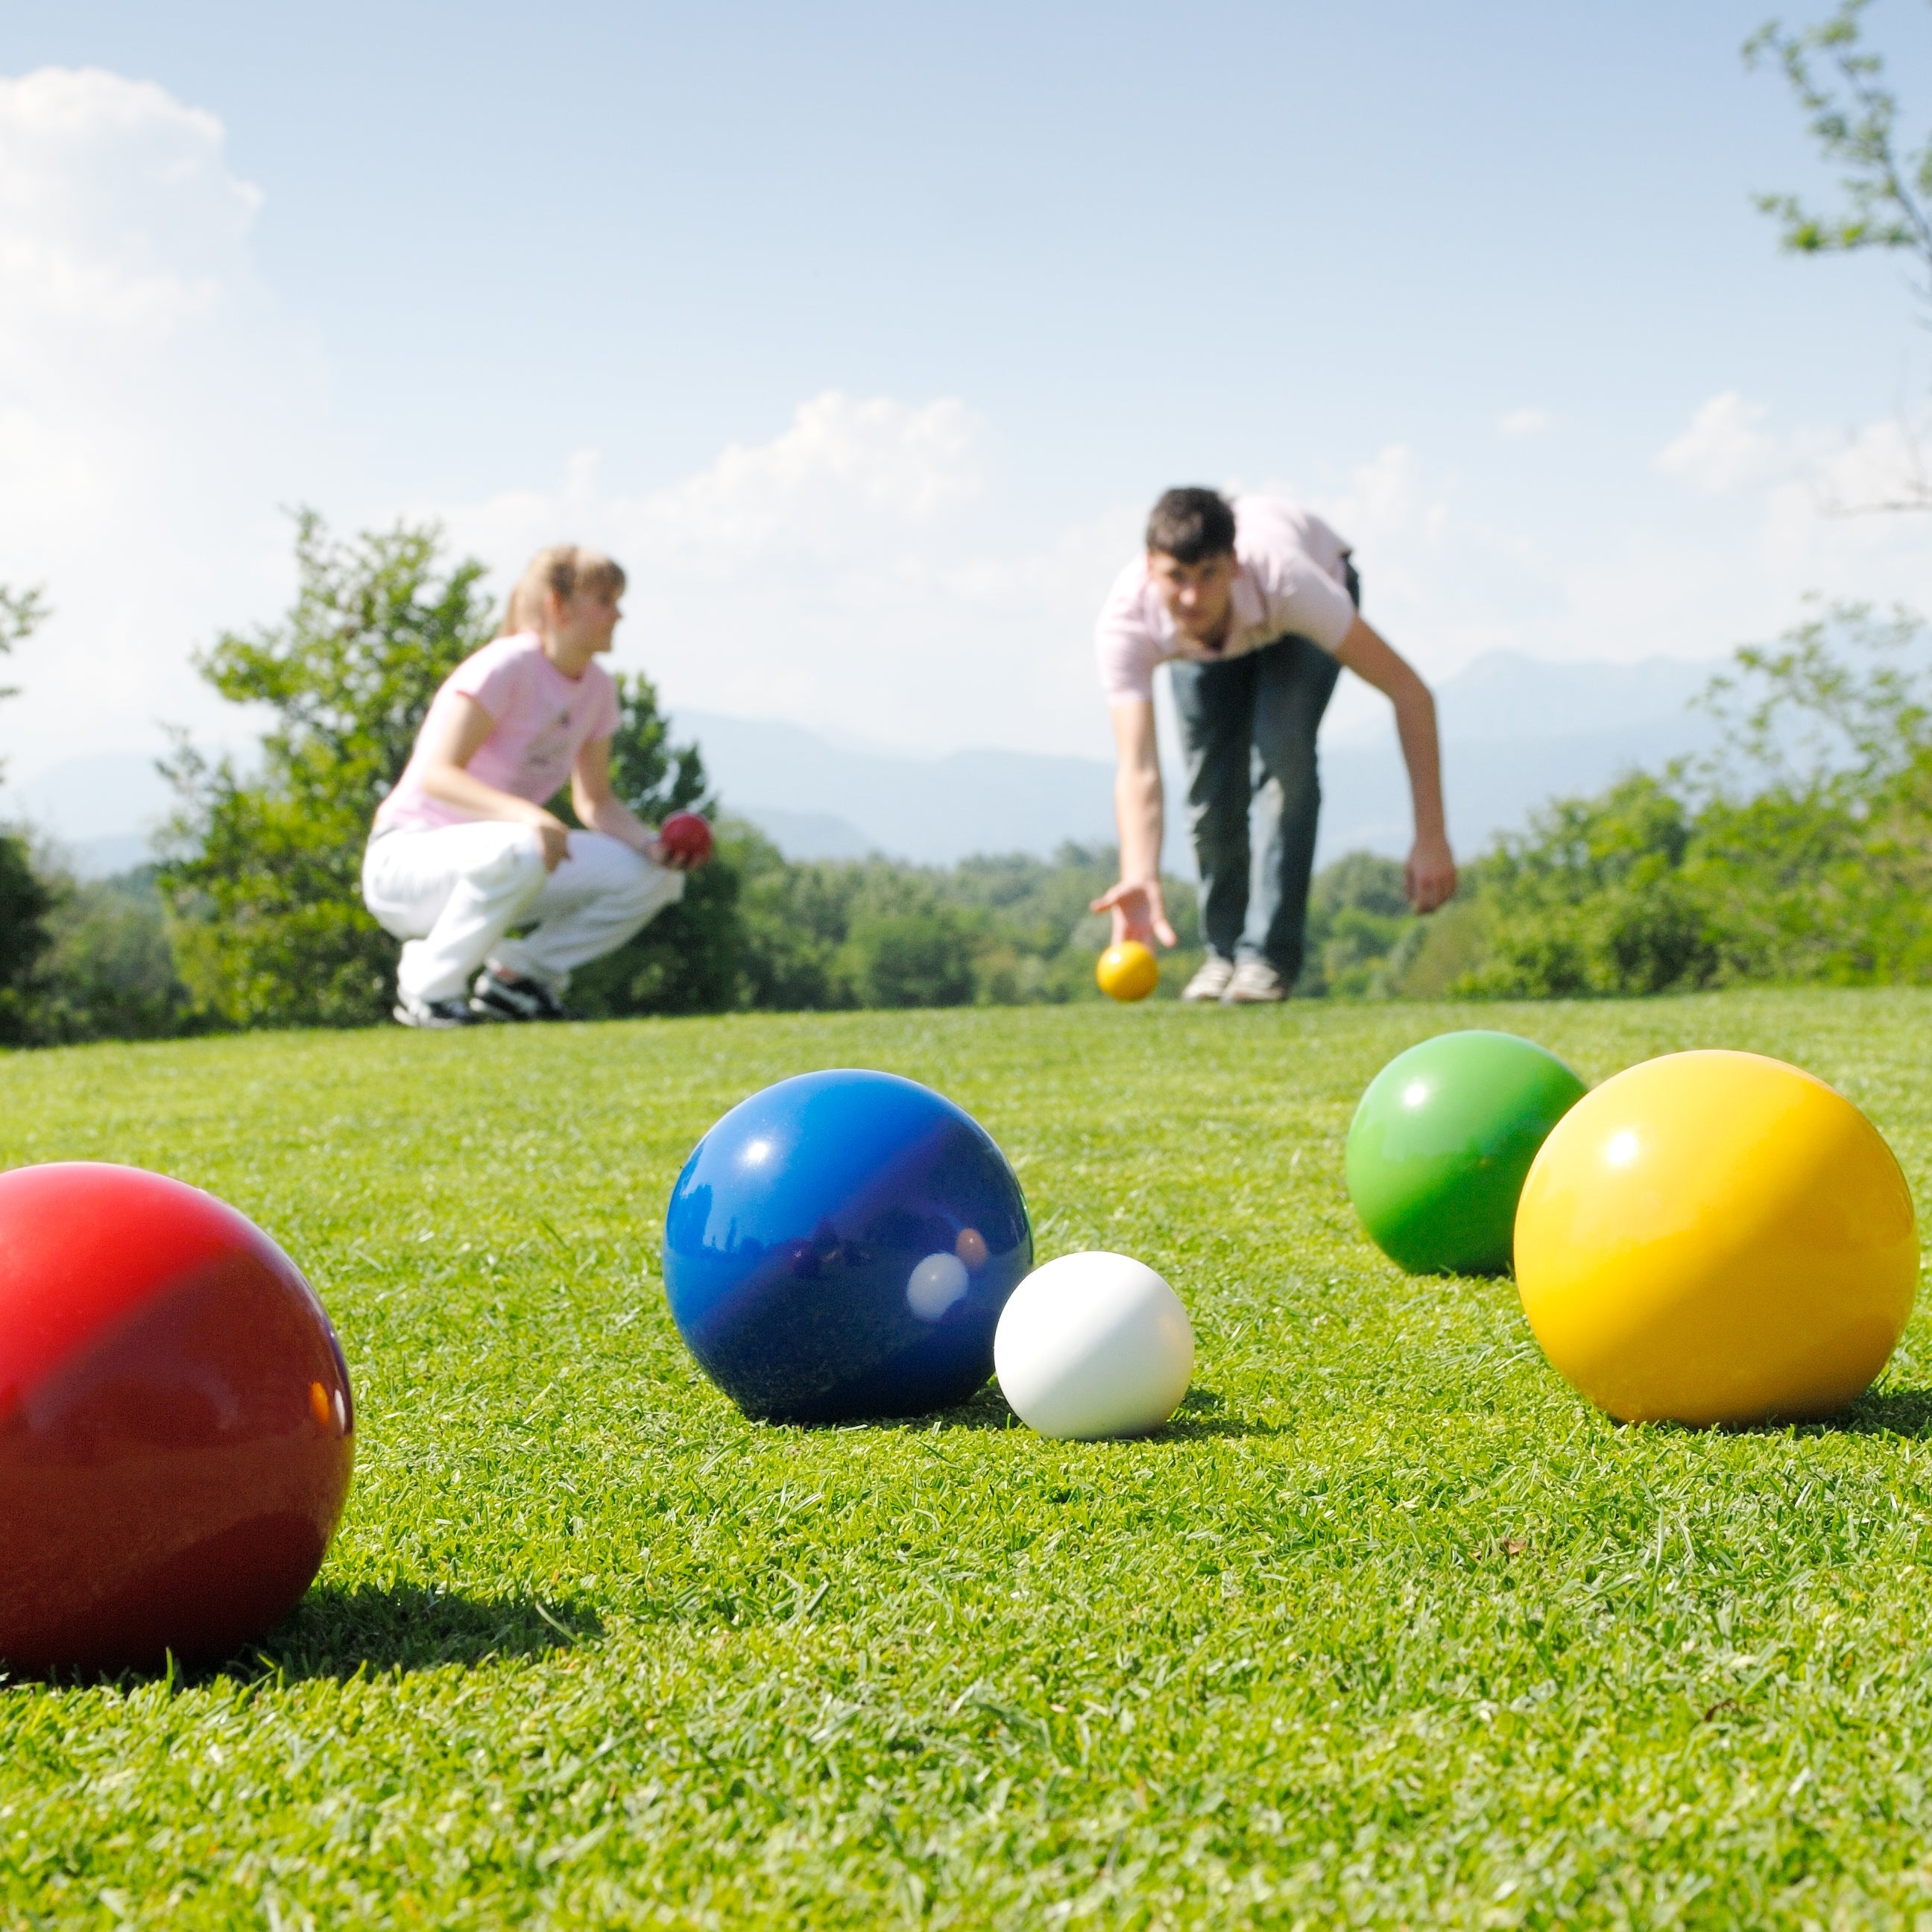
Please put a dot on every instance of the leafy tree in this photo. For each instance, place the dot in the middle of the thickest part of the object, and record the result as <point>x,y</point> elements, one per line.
<point>920,958</point>
<point>26,899</point>
<point>264,877</point>
<point>870,933</point>
<point>25,902</point>
<point>109,972</point>
<point>1800,851</point>
<point>1358,915</point>
<point>1587,900</point>
<point>1853,116</point>
<point>1815,840</point>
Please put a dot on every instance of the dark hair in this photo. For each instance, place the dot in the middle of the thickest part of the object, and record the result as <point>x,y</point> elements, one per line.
<point>1191,526</point>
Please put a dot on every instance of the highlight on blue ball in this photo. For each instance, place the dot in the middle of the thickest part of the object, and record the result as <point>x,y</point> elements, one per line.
<point>839,1247</point>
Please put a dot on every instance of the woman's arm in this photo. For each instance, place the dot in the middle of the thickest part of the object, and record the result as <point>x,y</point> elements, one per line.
<point>602,810</point>
<point>1430,874</point>
<point>450,738</point>
<point>598,806</point>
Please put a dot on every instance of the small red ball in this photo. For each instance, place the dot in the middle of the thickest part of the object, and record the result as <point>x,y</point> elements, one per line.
<point>686,836</point>
<point>176,1427</point>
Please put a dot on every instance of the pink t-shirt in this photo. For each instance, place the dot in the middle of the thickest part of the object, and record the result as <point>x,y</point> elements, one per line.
<point>543,719</point>
<point>1290,579</point>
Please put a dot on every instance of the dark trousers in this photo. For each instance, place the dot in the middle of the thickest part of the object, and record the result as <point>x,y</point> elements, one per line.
<point>1248,728</point>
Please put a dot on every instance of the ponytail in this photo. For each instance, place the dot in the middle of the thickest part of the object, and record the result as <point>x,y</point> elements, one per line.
<point>565,568</point>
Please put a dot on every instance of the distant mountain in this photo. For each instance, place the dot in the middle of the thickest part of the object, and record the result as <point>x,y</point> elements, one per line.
<point>99,811</point>
<point>103,795</point>
<point>1517,732</point>
<point>1504,697</point>
<point>103,858</point>
<point>808,834</point>
<point>931,810</point>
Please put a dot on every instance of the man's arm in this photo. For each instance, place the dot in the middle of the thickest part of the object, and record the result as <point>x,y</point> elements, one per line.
<point>450,740</point>
<point>1135,902</point>
<point>1430,874</point>
<point>603,811</point>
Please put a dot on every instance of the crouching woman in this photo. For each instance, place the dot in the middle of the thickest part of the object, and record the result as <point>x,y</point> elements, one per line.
<point>463,849</point>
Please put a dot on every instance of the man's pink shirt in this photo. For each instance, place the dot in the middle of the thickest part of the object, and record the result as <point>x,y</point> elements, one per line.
<point>543,720</point>
<point>1290,579</point>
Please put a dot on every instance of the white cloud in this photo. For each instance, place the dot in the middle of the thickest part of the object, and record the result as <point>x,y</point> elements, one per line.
<point>1729,451</point>
<point>866,568</point>
<point>1797,510</point>
<point>848,573</point>
<point>884,460</point>
<point>116,212</point>
<point>1527,422</point>
<point>154,408</point>
<point>1725,449</point>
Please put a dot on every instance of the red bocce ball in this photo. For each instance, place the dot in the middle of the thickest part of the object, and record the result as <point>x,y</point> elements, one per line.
<point>176,1429</point>
<point>685,835</point>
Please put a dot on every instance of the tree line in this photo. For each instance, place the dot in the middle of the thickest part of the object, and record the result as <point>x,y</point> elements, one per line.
<point>1799,852</point>
<point>253,916</point>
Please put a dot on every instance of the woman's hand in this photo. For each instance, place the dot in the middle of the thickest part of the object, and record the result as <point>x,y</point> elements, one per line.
<point>1138,911</point>
<point>1430,877</point>
<point>678,861</point>
<point>555,837</point>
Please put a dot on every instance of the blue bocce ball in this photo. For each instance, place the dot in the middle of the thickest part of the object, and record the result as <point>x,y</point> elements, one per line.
<point>840,1246</point>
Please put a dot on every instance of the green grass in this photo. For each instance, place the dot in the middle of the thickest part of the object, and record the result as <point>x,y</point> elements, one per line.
<point>1388,1629</point>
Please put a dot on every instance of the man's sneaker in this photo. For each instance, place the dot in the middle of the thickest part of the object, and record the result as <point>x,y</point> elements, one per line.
<point>1253,983</point>
<point>500,998</point>
<point>1211,979</point>
<point>453,1012</point>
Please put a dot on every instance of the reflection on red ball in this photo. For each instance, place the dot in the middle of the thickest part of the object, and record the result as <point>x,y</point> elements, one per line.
<point>686,836</point>
<point>176,1428</point>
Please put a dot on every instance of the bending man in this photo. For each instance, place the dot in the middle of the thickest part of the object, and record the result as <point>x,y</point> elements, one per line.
<point>1255,605</point>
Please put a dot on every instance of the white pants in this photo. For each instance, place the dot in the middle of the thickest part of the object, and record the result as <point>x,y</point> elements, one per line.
<point>451,894</point>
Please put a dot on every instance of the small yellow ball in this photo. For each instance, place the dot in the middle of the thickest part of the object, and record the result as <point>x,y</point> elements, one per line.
<point>1128,971</point>
<point>1716,1237</point>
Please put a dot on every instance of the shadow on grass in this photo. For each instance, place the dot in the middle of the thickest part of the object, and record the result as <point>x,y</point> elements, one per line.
<point>336,1632</point>
<point>1904,1412</point>
<point>1200,1415</point>
<point>1897,1411</point>
<point>986,1410</point>
<point>1203,1414</point>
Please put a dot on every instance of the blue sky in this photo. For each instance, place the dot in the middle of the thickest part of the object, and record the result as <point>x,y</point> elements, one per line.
<point>865,334</point>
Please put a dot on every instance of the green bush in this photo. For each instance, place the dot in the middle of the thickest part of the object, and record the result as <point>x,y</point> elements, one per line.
<point>1358,916</point>
<point>1801,852</point>
<point>26,900</point>
<point>109,972</point>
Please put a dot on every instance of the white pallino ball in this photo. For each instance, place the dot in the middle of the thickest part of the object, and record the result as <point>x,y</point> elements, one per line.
<point>1092,1345</point>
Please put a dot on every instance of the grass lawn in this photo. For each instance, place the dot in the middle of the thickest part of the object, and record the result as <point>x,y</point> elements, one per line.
<point>1388,1629</point>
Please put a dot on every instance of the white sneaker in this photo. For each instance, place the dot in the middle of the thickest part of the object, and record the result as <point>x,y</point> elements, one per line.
<point>438,1014</point>
<point>1211,981</point>
<point>1253,983</point>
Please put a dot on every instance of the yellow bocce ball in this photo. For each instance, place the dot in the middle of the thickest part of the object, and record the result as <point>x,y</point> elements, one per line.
<point>1128,971</point>
<point>1715,1237</point>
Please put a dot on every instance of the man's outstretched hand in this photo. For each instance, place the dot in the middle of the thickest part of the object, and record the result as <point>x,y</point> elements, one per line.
<point>1138,912</point>
<point>1430,874</point>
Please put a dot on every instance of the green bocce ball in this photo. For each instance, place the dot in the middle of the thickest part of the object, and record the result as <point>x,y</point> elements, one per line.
<point>1441,1144</point>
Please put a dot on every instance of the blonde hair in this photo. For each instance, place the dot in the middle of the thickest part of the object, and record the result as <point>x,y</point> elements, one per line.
<point>566,569</point>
